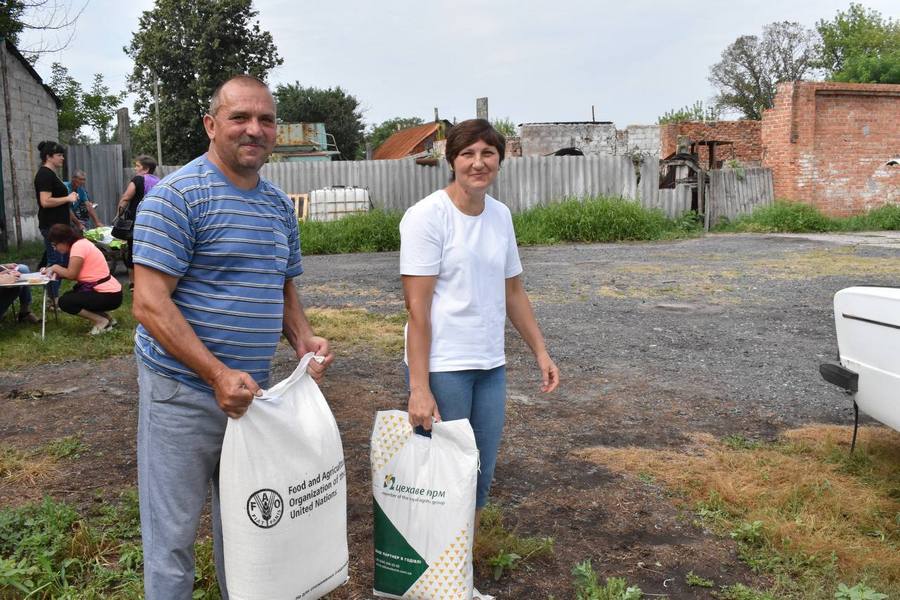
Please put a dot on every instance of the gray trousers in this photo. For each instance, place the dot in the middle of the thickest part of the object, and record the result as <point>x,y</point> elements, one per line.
<point>180,432</point>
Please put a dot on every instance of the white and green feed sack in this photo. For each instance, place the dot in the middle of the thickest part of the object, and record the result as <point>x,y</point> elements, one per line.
<point>283,493</point>
<point>424,497</point>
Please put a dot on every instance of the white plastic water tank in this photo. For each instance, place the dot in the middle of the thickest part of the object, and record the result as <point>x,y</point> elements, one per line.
<point>332,203</point>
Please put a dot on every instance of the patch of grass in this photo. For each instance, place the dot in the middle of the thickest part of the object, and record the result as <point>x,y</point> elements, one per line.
<point>801,509</point>
<point>796,217</point>
<point>374,231</point>
<point>29,253</point>
<point>49,551</point>
<point>740,591</point>
<point>597,219</point>
<point>67,447</point>
<point>351,327</point>
<point>781,217</point>
<point>739,442</point>
<point>18,466</point>
<point>66,338</point>
<point>206,586</point>
<point>830,262</point>
<point>499,550</point>
<point>588,587</point>
<point>858,592</point>
<point>695,580</point>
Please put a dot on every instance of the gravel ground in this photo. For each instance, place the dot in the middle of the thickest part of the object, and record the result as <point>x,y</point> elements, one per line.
<point>656,342</point>
<point>735,325</point>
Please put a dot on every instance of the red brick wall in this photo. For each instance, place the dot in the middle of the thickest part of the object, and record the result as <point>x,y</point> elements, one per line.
<point>828,144</point>
<point>745,135</point>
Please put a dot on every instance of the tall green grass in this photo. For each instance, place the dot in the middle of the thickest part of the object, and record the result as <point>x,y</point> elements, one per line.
<point>598,219</point>
<point>796,217</point>
<point>589,220</point>
<point>375,231</point>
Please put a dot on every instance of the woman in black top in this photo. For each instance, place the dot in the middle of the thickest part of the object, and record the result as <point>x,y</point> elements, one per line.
<point>53,200</point>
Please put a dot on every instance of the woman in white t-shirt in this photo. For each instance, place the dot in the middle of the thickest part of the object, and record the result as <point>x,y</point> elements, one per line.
<point>460,271</point>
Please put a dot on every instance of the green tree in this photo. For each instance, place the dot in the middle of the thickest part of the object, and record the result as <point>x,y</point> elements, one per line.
<point>70,118</point>
<point>191,46</point>
<point>11,25</point>
<point>695,112</point>
<point>386,129</point>
<point>860,45</point>
<point>505,127</point>
<point>751,67</point>
<point>99,107</point>
<point>338,110</point>
<point>79,109</point>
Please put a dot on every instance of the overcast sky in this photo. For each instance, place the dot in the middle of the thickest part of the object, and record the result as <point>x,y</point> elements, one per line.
<point>535,60</point>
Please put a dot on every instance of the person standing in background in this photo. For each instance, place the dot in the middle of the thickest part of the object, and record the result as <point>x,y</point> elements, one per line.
<point>54,201</point>
<point>83,209</point>
<point>143,181</point>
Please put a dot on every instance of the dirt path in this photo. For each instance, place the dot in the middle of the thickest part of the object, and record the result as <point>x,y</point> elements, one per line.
<point>722,335</point>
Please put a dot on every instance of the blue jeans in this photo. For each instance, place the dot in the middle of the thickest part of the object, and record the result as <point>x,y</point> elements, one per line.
<point>23,293</point>
<point>480,396</point>
<point>180,433</point>
<point>53,258</point>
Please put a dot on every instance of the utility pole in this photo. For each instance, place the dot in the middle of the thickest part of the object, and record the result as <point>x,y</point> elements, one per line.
<point>159,156</point>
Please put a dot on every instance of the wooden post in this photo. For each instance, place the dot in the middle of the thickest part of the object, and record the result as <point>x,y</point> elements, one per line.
<point>481,108</point>
<point>702,197</point>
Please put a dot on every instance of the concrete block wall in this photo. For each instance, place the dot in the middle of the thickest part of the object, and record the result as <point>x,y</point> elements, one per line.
<point>643,139</point>
<point>540,139</point>
<point>829,145</point>
<point>594,139</point>
<point>745,135</point>
<point>32,119</point>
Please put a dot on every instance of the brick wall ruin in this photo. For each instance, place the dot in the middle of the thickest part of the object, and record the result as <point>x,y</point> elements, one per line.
<point>832,144</point>
<point>745,136</point>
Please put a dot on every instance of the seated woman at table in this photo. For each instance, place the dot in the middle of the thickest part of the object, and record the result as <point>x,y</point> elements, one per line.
<point>96,291</point>
<point>10,273</point>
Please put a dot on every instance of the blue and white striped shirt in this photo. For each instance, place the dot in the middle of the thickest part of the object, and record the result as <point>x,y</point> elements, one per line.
<point>231,251</point>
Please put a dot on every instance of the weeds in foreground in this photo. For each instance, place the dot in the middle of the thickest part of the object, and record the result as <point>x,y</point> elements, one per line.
<point>588,587</point>
<point>499,550</point>
<point>801,510</point>
<point>49,550</point>
<point>694,580</point>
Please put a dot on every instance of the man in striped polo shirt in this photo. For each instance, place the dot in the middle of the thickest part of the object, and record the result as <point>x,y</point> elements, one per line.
<point>216,248</point>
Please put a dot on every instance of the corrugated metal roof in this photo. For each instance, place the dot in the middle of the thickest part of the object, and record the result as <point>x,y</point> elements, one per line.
<point>404,142</point>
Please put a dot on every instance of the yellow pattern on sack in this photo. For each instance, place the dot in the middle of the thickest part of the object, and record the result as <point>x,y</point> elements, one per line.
<point>445,579</point>
<point>392,433</point>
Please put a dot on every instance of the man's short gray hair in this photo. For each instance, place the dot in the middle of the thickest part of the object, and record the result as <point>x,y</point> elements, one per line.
<point>215,101</point>
<point>79,174</point>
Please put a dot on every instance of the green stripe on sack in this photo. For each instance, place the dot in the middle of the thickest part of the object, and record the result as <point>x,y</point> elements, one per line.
<point>397,565</point>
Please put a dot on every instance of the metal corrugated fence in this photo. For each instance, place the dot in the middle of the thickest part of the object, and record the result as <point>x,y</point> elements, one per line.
<point>103,165</point>
<point>522,184</point>
<point>530,181</point>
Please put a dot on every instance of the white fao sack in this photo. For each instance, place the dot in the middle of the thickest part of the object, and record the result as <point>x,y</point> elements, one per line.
<point>283,494</point>
<point>424,503</point>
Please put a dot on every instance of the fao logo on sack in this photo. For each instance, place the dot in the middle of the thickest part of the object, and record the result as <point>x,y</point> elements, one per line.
<point>265,508</point>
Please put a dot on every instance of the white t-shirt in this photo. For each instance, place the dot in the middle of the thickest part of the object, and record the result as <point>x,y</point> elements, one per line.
<point>472,257</point>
